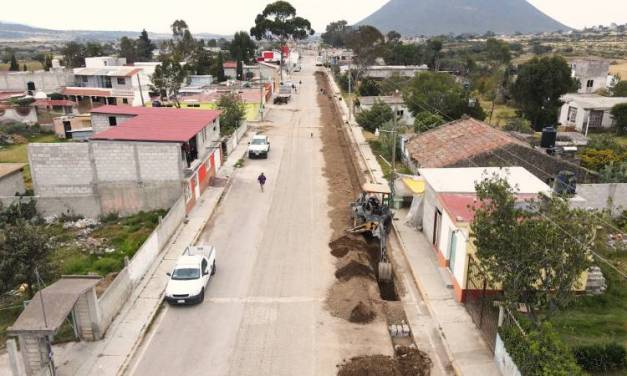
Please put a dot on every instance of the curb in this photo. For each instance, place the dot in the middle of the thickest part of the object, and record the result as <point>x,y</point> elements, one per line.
<point>124,367</point>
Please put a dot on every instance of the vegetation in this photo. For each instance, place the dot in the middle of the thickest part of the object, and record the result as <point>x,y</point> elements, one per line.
<point>542,265</point>
<point>242,47</point>
<point>619,112</point>
<point>427,120</point>
<point>620,89</point>
<point>606,155</point>
<point>168,79</point>
<point>601,358</point>
<point>233,112</point>
<point>376,117</point>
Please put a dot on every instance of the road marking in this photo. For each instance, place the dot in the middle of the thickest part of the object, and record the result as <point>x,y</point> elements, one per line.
<point>266,299</point>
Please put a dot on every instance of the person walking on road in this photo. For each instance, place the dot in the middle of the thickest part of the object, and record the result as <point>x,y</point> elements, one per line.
<point>262,180</point>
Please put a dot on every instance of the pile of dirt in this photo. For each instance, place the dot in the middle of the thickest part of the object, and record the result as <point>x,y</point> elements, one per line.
<point>344,297</point>
<point>353,269</point>
<point>407,361</point>
<point>362,314</point>
<point>342,245</point>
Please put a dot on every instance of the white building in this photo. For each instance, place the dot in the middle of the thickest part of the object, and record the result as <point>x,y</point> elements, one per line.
<point>591,73</point>
<point>386,71</point>
<point>588,111</point>
<point>447,213</point>
<point>396,102</point>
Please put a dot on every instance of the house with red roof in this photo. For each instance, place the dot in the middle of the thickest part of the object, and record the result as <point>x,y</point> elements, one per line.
<point>138,158</point>
<point>447,212</point>
<point>230,69</point>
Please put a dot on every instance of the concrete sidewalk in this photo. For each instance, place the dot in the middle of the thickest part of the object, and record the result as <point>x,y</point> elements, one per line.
<point>111,355</point>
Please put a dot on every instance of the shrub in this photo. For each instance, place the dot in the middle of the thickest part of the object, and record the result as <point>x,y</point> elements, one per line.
<point>595,159</point>
<point>427,120</point>
<point>601,357</point>
<point>376,117</point>
<point>518,125</point>
<point>107,265</point>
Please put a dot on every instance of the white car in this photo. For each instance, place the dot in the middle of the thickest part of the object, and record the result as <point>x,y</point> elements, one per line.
<point>259,147</point>
<point>190,275</point>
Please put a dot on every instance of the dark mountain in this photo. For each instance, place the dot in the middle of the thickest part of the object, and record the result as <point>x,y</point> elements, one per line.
<point>442,17</point>
<point>16,32</point>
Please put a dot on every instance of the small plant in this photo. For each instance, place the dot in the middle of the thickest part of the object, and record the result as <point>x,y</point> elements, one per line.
<point>239,163</point>
<point>601,357</point>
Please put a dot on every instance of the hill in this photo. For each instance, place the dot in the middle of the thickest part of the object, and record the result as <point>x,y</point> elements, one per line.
<point>17,32</point>
<point>442,17</point>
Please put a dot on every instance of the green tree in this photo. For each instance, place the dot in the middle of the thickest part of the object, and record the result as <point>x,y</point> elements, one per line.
<point>369,88</point>
<point>242,47</point>
<point>518,125</point>
<point>127,50</point>
<point>335,34</point>
<point>433,51</point>
<point>439,94</point>
<point>217,70</point>
<point>393,84</point>
<point>393,36</point>
<point>540,84</point>
<point>376,117</point>
<point>620,89</point>
<point>498,51</point>
<point>204,63</point>
<point>619,113</point>
<point>93,49</point>
<point>366,42</point>
<point>547,244</point>
<point>13,66</point>
<point>73,55</point>
<point>233,112</point>
<point>47,64</point>
<point>25,68</point>
<point>144,47</point>
<point>239,71</point>
<point>23,248</point>
<point>167,80</point>
<point>426,120</point>
<point>278,22</point>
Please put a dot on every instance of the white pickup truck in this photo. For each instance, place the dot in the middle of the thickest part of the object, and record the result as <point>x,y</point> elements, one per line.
<point>259,146</point>
<point>190,275</point>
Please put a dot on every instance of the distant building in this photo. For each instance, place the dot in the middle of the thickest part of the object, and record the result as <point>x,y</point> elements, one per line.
<point>386,71</point>
<point>591,74</point>
<point>585,112</point>
<point>76,127</point>
<point>230,69</point>
<point>394,101</point>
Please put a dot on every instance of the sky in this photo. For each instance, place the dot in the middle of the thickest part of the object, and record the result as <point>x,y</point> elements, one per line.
<point>226,17</point>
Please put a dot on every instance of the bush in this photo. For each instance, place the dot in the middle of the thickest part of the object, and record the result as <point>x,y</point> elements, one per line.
<point>519,125</point>
<point>540,352</point>
<point>426,120</point>
<point>595,159</point>
<point>107,265</point>
<point>601,357</point>
<point>376,117</point>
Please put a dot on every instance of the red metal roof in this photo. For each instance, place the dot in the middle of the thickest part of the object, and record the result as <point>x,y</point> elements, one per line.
<point>230,64</point>
<point>155,123</point>
<point>86,91</point>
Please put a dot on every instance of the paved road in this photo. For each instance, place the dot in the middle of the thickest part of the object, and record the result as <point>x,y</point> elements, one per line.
<point>264,310</point>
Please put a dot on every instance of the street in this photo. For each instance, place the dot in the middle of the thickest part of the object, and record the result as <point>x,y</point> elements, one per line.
<point>264,312</point>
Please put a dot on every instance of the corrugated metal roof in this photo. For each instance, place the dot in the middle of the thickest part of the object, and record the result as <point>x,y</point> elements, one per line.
<point>155,124</point>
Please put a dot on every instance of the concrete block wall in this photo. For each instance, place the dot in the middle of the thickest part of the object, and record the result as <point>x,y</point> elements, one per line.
<point>44,81</point>
<point>114,297</point>
<point>159,161</point>
<point>115,161</point>
<point>100,122</point>
<point>60,169</point>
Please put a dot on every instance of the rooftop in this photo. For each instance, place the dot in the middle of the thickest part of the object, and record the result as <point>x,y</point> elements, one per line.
<point>159,124</point>
<point>108,71</point>
<point>593,101</point>
<point>389,99</point>
<point>462,180</point>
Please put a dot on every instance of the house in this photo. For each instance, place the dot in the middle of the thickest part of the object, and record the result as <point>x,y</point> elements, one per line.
<point>61,106</point>
<point>381,72</point>
<point>230,69</point>
<point>139,158</point>
<point>585,112</point>
<point>394,101</point>
<point>74,126</point>
<point>11,179</point>
<point>468,142</point>
<point>208,99</point>
<point>16,113</point>
<point>197,84</point>
<point>591,74</point>
<point>447,213</point>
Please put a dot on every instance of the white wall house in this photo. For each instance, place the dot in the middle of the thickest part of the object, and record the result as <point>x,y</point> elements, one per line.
<point>587,112</point>
<point>394,101</point>
<point>447,214</point>
<point>382,72</point>
<point>591,73</point>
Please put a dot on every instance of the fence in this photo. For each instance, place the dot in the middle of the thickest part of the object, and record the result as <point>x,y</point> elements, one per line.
<point>480,302</point>
<point>113,299</point>
<point>235,138</point>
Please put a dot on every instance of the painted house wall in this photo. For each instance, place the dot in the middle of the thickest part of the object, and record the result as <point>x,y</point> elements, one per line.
<point>581,119</point>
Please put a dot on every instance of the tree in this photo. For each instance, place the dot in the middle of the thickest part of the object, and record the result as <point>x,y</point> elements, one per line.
<point>233,112</point>
<point>218,68</point>
<point>13,64</point>
<point>127,50</point>
<point>439,94</point>
<point>620,89</point>
<point>335,34</point>
<point>393,36</point>
<point>498,51</point>
<point>167,80</point>
<point>204,63</point>
<point>369,88</point>
<point>94,49</point>
<point>239,70</point>
<point>540,84</point>
<point>23,249</point>
<point>278,22</point>
<point>536,251</point>
<point>47,64</point>
<point>433,51</point>
<point>366,42</point>
<point>426,120</point>
<point>376,117</point>
<point>144,47</point>
<point>73,55</point>
<point>25,68</point>
<point>242,47</point>
<point>619,113</point>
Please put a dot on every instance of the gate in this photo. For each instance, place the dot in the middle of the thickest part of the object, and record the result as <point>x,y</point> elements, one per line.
<point>480,302</point>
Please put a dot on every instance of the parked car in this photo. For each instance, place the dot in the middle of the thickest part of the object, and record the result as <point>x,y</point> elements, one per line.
<point>259,146</point>
<point>190,275</point>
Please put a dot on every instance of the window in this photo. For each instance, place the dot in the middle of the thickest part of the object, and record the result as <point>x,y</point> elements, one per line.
<point>596,119</point>
<point>125,100</point>
<point>400,113</point>
<point>121,81</point>
<point>85,79</point>
<point>590,84</point>
<point>572,114</point>
<point>204,265</point>
<point>106,81</point>
<point>113,121</point>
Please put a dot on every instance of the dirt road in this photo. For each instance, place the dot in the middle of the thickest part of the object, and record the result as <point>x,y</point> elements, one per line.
<point>264,312</point>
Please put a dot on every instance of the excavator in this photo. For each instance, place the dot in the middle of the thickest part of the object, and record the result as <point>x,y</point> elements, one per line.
<point>372,217</point>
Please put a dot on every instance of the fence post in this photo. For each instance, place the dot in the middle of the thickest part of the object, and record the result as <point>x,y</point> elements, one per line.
<point>482,302</point>
<point>501,316</point>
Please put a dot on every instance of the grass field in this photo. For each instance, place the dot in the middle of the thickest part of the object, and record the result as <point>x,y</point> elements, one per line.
<point>31,65</point>
<point>502,113</point>
<point>19,154</point>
